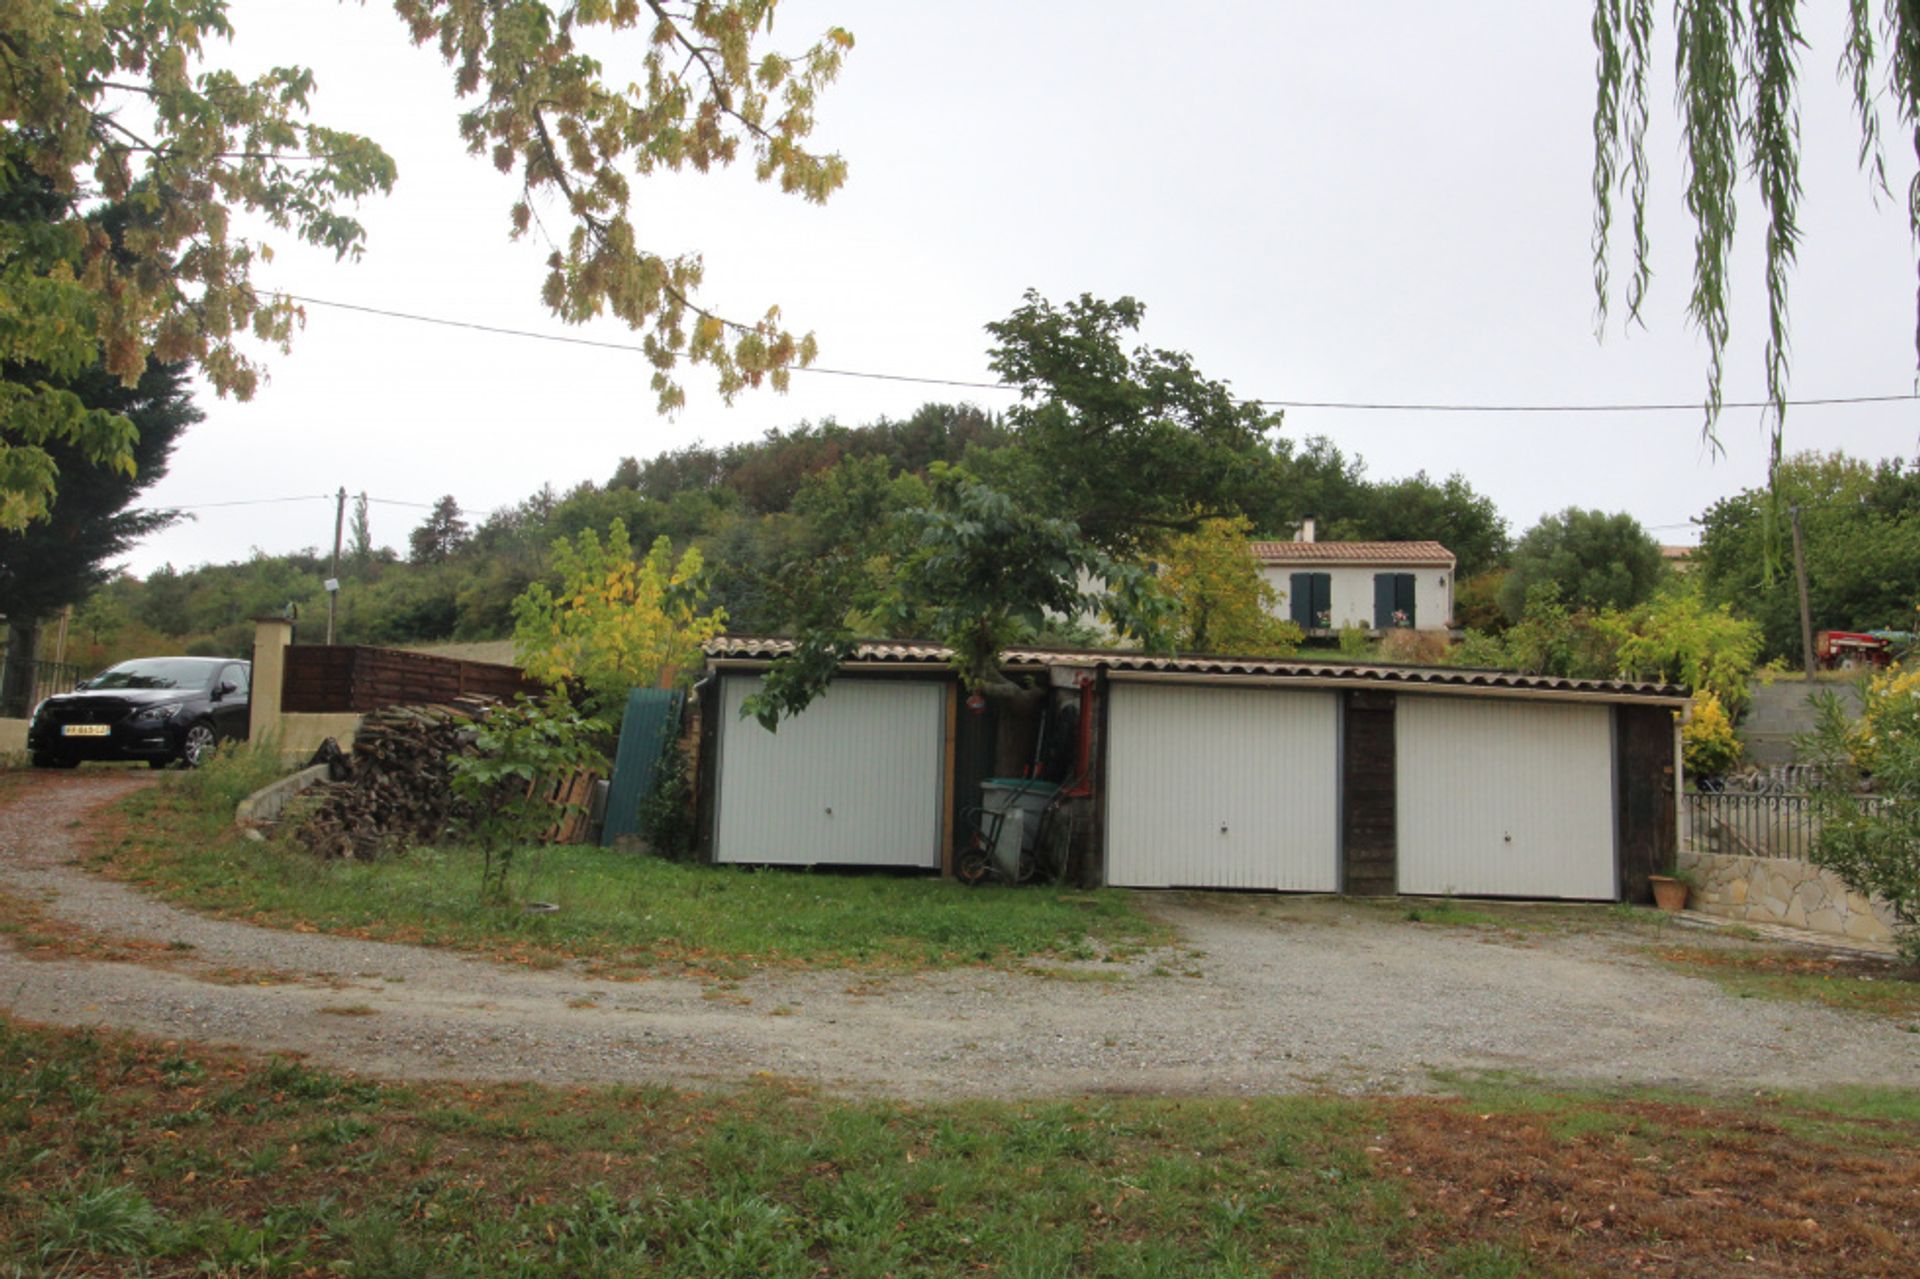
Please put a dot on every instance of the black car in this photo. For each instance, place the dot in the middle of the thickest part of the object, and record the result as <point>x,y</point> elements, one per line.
<point>160,709</point>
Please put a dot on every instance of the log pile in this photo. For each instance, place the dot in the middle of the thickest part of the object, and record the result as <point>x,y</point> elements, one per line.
<point>398,791</point>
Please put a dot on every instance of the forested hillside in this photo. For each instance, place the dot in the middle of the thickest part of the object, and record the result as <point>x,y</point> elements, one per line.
<point>753,509</point>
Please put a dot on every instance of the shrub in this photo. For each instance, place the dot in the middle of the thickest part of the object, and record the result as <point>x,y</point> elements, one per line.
<point>1708,739</point>
<point>665,817</point>
<point>1875,848</point>
<point>516,748</point>
<point>1415,648</point>
<point>1353,642</point>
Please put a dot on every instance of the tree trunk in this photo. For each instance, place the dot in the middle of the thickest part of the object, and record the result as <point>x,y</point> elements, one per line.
<point>17,674</point>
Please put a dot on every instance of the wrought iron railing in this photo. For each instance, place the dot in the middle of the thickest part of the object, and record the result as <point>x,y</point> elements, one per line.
<point>1755,825</point>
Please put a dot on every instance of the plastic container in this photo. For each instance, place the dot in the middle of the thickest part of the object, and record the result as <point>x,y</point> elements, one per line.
<point>1022,800</point>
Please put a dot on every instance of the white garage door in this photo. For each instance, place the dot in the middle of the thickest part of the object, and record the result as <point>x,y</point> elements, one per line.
<point>855,779</point>
<point>1505,798</point>
<point>1222,788</point>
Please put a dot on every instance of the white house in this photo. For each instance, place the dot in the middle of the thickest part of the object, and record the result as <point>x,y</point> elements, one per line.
<point>1379,586</point>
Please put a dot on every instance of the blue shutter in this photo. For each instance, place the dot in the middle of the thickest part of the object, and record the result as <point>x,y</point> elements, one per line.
<point>1403,596</point>
<point>1383,592</point>
<point>1323,596</point>
<point>1300,599</point>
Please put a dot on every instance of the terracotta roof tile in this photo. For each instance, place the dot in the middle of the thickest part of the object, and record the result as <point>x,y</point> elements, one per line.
<point>1351,552</point>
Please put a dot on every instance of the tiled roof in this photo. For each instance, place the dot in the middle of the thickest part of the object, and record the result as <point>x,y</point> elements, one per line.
<point>907,653</point>
<point>1352,552</point>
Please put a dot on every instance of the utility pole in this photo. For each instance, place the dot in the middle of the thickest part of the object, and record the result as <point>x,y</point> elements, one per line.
<point>333,578</point>
<point>1806,610</point>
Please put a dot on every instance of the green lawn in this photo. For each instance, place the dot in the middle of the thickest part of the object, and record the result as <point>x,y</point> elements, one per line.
<point>126,1157</point>
<point>619,909</point>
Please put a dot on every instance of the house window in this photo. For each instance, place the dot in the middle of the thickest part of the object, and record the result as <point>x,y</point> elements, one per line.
<point>1310,600</point>
<point>1393,601</point>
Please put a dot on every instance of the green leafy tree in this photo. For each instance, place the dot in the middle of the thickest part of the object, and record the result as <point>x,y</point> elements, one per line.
<point>1128,445</point>
<point>1598,561</point>
<point>1221,602</point>
<point>1738,71</point>
<point>115,100</point>
<point>1861,531</point>
<point>1679,637</point>
<point>439,535</point>
<point>977,571</point>
<point>1418,509</point>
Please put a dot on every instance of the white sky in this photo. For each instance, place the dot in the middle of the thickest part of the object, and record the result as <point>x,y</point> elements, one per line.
<point>1383,202</point>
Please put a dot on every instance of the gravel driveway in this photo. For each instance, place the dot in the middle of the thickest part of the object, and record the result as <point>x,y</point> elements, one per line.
<point>1291,994</point>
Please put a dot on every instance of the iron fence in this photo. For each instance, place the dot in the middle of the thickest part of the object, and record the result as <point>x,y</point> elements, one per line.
<point>48,679</point>
<point>1756,825</point>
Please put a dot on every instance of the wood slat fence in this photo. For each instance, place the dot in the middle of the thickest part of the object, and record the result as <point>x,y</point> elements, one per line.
<point>332,679</point>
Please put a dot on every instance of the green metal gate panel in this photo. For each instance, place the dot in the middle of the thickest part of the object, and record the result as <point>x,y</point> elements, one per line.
<point>653,716</point>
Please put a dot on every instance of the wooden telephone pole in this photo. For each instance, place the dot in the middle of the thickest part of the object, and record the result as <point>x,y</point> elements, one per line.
<point>333,577</point>
<point>1806,610</point>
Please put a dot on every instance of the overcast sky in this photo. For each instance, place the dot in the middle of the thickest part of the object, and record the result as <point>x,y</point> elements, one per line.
<point>1384,203</point>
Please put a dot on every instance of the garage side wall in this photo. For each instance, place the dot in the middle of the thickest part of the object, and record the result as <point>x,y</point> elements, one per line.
<point>1644,782</point>
<point>1369,835</point>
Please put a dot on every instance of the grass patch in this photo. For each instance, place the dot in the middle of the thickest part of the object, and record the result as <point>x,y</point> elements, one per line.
<point>620,910</point>
<point>1754,972</point>
<point>119,1155</point>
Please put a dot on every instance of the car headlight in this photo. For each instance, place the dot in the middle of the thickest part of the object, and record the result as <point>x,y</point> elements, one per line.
<point>156,714</point>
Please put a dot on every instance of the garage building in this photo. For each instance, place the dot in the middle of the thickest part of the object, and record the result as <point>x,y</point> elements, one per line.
<point>1280,775</point>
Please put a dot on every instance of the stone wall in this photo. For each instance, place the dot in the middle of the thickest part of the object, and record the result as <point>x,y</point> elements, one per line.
<point>1779,890</point>
<point>13,736</point>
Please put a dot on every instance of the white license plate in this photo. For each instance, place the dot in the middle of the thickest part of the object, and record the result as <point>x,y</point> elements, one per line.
<point>85,730</point>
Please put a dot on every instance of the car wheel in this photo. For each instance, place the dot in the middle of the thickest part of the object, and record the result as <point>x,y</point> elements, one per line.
<point>197,744</point>
<point>47,759</point>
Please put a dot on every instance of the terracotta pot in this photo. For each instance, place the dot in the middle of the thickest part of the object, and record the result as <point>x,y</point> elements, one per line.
<point>1668,893</point>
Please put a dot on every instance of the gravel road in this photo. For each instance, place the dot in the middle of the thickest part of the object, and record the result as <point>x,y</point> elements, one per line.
<point>1291,994</point>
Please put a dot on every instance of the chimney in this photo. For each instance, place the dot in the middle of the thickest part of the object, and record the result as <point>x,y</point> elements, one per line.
<point>1305,532</point>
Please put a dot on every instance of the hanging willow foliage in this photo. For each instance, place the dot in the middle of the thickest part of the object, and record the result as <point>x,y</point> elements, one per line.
<point>1737,67</point>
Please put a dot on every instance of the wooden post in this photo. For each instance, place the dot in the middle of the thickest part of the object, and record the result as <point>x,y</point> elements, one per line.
<point>1806,611</point>
<point>947,775</point>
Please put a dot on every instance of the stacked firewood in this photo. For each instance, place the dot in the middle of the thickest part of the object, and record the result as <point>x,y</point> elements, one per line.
<point>398,790</point>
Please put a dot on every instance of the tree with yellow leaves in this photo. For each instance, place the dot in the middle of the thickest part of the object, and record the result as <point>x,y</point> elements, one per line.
<point>618,622</point>
<point>1223,604</point>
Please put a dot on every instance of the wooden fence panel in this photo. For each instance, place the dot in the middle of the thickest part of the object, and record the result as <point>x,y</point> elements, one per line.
<point>329,679</point>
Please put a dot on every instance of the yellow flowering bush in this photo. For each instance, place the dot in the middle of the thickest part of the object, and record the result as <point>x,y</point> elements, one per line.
<point>1707,739</point>
<point>1886,711</point>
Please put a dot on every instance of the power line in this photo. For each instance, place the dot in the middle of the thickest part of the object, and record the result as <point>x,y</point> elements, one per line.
<point>1350,406</point>
<point>252,501</point>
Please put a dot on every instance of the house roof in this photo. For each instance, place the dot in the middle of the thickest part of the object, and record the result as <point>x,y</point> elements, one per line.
<point>1423,553</point>
<point>908,653</point>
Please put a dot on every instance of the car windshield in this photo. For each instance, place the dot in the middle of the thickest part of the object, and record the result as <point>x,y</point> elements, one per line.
<point>155,672</point>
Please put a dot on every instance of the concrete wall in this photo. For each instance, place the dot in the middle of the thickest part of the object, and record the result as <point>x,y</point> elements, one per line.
<point>13,736</point>
<point>1353,591</point>
<point>1782,711</point>
<point>1779,890</point>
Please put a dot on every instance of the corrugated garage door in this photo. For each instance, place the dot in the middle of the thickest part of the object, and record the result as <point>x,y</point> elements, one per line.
<point>1505,798</point>
<point>855,779</point>
<point>1222,788</point>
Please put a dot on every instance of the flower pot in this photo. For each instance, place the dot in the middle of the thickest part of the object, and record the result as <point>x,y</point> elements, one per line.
<point>1669,893</point>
